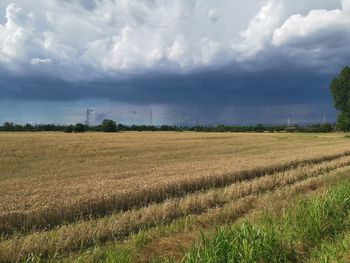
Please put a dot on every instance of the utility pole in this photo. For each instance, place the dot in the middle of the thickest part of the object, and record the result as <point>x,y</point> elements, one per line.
<point>88,112</point>
<point>324,118</point>
<point>150,117</point>
<point>288,122</point>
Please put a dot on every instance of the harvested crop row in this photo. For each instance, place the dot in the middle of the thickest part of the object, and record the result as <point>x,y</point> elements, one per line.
<point>85,234</point>
<point>94,208</point>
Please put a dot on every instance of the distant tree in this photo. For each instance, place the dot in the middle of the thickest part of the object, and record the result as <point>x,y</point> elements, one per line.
<point>260,128</point>
<point>28,127</point>
<point>340,90</point>
<point>69,129</point>
<point>326,127</point>
<point>109,126</point>
<point>9,126</point>
<point>79,128</point>
<point>121,127</point>
<point>19,127</point>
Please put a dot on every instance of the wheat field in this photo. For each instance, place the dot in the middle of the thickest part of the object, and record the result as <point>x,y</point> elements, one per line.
<point>63,194</point>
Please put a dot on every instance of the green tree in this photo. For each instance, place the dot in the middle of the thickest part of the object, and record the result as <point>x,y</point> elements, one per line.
<point>79,128</point>
<point>28,127</point>
<point>340,90</point>
<point>9,126</point>
<point>109,126</point>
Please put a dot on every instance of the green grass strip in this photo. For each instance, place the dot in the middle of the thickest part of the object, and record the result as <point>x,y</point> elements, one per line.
<point>293,235</point>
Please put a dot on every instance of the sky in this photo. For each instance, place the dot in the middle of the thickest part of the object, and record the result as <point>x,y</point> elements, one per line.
<point>215,61</point>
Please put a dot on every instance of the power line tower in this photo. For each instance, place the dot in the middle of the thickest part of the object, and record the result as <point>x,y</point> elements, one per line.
<point>88,113</point>
<point>324,118</point>
<point>288,122</point>
<point>150,117</point>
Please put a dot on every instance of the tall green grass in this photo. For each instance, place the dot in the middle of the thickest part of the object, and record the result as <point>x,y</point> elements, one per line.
<point>312,221</point>
<point>240,244</point>
<point>333,250</point>
<point>294,235</point>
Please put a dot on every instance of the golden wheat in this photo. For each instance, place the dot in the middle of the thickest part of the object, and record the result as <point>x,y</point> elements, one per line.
<point>64,192</point>
<point>85,234</point>
<point>64,178</point>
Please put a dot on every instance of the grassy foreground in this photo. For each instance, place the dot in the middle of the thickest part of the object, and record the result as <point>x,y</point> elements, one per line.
<point>314,230</point>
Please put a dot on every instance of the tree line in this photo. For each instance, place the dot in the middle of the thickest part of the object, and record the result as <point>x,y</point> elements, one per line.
<point>112,126</point>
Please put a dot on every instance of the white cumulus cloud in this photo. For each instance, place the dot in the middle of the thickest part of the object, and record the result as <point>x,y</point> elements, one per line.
<point>298,26</point>
<point>16,34</point>
<point>83,40</point>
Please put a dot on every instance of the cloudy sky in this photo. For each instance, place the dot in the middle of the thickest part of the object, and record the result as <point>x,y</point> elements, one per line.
<point>221,61</point>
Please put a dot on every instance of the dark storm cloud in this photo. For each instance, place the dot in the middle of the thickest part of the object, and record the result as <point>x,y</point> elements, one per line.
<point>223,86</point>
